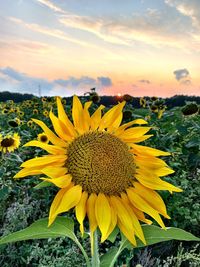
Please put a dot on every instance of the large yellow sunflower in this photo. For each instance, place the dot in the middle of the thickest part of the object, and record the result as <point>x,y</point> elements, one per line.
<point>9,143</point>
<point>101,170</point>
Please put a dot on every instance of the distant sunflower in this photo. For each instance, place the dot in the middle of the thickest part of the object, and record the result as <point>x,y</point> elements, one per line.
<point>13,123</point>
<point>9,143</point>
<point>154,98</point>
<point>46,113</point>
<point>42,137</point>
<point>101,171</point>
<point>5,111</point>
<point>16,109</point>
<point>21,113</point>
<point>30,123</point>
<point>143,102</point>
<point>35,111</point>
<point>44,99</point>
<point>154,108</point>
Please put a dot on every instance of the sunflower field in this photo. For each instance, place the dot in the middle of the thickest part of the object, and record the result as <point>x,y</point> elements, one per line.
<point>101,142</point>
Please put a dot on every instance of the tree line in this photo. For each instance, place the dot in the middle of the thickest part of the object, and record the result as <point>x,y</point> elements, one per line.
<point>174,101</point>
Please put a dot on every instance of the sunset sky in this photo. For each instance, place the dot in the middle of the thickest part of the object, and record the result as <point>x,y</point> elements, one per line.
<point>66,47</point>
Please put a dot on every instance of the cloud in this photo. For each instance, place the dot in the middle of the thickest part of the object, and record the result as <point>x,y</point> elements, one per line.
<point>105,81</point>
<point>189,8</point>
<point>13,80</point>
<point>76,82</point>
<point>51,5</point>
<point>48,31</point>
<point>181,74</point>
<point>153,27</point>
<point>15,75</point>
<point>144,81</point>
<point>186,82</point>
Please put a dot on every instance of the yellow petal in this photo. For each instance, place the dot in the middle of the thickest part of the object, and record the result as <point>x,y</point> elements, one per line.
<point>136,225</point>
<point>139,121</point>
<point>113,220</point>
<point>27,171</point>
<point>64,118</point>
<point>121,211</point>
<point>55,204</point>
<point>111,117</point>
<point>134,132</point>
<point>92,218</point>
<point>152,197</point>
<point>62,181</point>
<point>141,204</point>
<point>54,172</point>
<point>154,182</point>
<point>81,210</point>
<point>49,159</point>
<point>69,199</point>
<point>129,235</point>
<point>59,127</point>
<point>52,137</point>
<point>112,128</point>
<point>123,127</point>
<point>103,215</point>
<point>145,150</point>
<point>56,150</point>
<point>149,162</point>
<point>91,211</point>
<point>77,114</point>
<point>163,171</point>
<point>136,140</point>
<point>140,215</point>
<point>86,116</point>
<point>96,118</point>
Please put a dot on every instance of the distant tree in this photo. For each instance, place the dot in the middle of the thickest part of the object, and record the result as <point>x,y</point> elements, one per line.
<point>175,101</point>
<point>16,97</point>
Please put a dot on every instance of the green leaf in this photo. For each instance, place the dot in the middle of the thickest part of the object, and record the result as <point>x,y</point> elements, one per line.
<point>42,184</point>
<point>112,237</point>
<point>62,227</point>
<point>106,259</point>
<point>154,234</point>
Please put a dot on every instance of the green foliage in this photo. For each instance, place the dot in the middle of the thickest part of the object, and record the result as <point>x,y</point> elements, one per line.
<point>180,136</point>
<point>21,205</point>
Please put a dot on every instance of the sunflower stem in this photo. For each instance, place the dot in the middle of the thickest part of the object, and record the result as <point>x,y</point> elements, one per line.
<point>95,250</point>
<point>83,251</point>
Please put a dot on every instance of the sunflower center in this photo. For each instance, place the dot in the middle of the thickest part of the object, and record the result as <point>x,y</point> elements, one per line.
<point>13,123</point>
<point>43,138</point>
<point>100,162</point>
<point>7,142</point>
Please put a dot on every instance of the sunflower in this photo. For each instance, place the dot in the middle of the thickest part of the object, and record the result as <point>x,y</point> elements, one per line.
<point>16,109</point>
<point>21,113</point>
<point>5,111</point>
<point>13,123</point>
<point>9,143</point>
<point>30,123</point>
<point>154,98</point>
<point>143,102</point>
<point>35,111</point>
<point>42,137</point>
<point>154,108</point>
<point>101,170</point>
<point>44,99</point>
<point>46,113</point>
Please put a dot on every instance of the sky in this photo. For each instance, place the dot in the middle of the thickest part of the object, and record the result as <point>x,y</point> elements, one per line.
<point>66,47</point>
